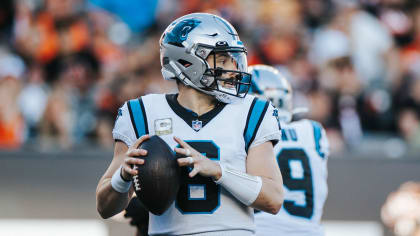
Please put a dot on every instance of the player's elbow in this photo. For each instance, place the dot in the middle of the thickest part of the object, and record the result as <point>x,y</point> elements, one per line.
<point>271,199</point>
<point>276,208</point>
<point>276,201</point>
<point>103,212</point>
<point>100,207</point>
<point>272,207</point>
<point>103,215</point>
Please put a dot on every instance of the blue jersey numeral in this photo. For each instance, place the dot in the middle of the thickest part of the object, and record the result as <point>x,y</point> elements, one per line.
<point>289,135</point>
<point>199,195</point>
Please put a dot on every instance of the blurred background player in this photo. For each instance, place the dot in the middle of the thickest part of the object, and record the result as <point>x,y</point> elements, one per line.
<point>228,161</point>
<point>302,157</point>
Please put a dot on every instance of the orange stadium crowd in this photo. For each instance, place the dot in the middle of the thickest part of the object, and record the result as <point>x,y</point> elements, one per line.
<point>67,66</point>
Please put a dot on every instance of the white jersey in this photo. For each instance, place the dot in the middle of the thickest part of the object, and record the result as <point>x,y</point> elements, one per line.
<point>224,135</point>
<point>302,157</point>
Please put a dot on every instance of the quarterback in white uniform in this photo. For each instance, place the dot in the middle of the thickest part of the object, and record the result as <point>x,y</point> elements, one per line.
<point>302,157</point>
<point>227,138</point>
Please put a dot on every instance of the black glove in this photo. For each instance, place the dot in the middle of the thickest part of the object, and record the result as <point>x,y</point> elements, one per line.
<point>138,214</point>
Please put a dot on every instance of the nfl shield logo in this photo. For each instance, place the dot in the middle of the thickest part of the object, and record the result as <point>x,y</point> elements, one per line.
<point>197,124</point>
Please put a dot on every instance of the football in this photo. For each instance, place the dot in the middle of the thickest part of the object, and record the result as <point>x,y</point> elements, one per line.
<point>158,179</point>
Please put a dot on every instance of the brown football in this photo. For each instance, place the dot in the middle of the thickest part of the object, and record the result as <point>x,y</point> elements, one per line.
<point>158,179</point>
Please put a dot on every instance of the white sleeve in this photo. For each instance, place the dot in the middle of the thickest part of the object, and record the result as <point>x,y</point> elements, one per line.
<point>269,129</point>
<point>123,128</point>
<point>324,144</point>
<point>325,149</point>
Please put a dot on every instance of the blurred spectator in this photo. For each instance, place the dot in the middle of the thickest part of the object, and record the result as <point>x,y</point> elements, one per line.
<point>410,52</point>
<point>58,29</point>
<point>371,41</point>
<point>70,111</point>
<point>138,15</point>
<point>339,83</point>
<point>277,27</point>
<point>6,19</point>
<point>401,211</point>
<point>106,51</point>
<point>316,12</point>
<point>11,121</point>
<point>354,64</point>
<point>409,127</point>
<point>32,100</point>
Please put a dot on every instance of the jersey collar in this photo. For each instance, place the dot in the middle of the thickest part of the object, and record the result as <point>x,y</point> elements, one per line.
<point>193,120</point>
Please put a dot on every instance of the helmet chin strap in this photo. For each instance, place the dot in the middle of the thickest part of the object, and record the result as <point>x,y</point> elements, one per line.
<point>221,97</point>
<point>226,98</point>
<point>167,75</point>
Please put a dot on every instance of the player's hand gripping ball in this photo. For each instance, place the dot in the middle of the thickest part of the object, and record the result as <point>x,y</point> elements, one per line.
<point>158,179</point>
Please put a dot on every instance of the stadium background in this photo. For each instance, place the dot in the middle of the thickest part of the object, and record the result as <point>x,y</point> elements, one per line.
<point>66,66</point>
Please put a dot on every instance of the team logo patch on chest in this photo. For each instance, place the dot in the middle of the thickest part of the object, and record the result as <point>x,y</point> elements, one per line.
<point>197,125</point>
<point>163,126</point>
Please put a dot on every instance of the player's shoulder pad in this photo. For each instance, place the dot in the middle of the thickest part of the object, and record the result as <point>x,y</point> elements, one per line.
<point>138,116</point>
<point>256,113</point>
<point>152,96</point>
<point>123,130</point>
<point>249,98</point>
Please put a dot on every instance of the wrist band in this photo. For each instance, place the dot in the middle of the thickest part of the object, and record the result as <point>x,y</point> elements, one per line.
<point>243,186</point>
<point>118,183</point>
<point>122,177</point>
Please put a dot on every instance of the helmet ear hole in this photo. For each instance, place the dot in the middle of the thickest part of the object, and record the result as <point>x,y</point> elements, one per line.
<point>185,63</point>
<point>207,81</point>
<point>165,61</point>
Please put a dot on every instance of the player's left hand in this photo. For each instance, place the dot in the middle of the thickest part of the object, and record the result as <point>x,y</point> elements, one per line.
<point>201,164</point>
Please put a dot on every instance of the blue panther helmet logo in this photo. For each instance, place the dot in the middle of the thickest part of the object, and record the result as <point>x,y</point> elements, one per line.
<point>179,33</point>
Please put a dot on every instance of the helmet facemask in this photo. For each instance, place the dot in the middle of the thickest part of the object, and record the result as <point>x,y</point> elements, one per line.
<point>226,70</point>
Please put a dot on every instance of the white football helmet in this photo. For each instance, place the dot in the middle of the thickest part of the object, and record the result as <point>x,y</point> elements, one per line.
<point>269,83</point>
<point>186,44</point>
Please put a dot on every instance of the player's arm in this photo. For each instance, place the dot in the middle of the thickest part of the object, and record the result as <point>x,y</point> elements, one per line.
<point>261,162</point>
<point>113,191</point>
<point>114,188</point>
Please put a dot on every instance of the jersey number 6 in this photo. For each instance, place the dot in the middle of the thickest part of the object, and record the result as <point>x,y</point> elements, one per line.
<point>199,195</point>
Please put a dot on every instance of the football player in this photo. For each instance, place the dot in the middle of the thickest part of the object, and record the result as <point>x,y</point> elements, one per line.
<point>301,156</point>
<point>226,137</point>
